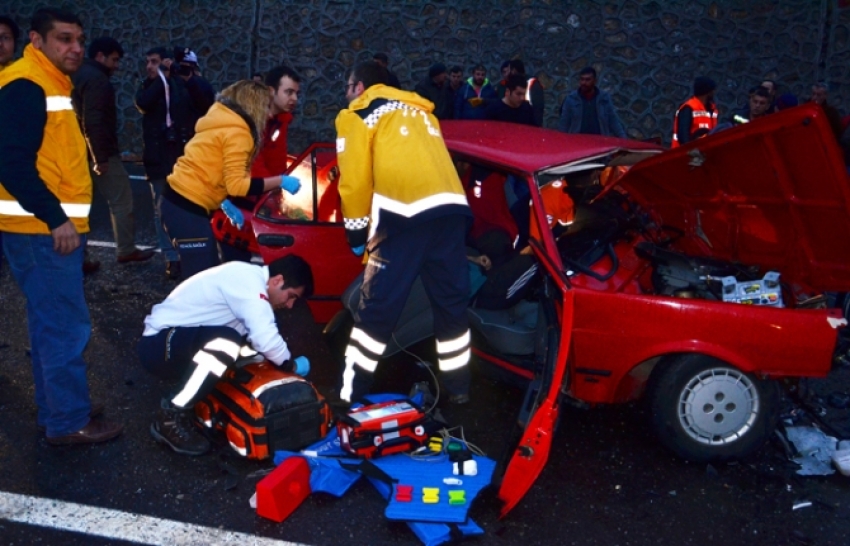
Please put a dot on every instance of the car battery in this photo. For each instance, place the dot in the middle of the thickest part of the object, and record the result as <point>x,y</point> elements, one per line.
<point>761,292</point>
<point>383,429</point>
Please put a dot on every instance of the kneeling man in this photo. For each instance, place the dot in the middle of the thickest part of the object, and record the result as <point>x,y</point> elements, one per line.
<point>205,324</point>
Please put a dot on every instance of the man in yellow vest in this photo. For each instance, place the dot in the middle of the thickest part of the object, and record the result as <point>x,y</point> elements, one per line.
<point>698,115</point>
<point>9,33</point>
<point>45,197</point>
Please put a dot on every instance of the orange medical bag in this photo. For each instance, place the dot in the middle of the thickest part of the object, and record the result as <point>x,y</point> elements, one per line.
<point>262,409</point>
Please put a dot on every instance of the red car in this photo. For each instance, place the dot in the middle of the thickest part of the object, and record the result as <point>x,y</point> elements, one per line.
<point>693,278</point>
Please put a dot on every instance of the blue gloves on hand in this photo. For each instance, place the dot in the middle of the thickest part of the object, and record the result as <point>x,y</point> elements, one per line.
<point>290,184</point>
<point>233,214</point>
<point>302,366</point>
<point>358,250</point>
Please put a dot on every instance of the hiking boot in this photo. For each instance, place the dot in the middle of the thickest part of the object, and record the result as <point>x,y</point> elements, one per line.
<point>96,409</point>
<point>175,428</point>
<point>95,432</point>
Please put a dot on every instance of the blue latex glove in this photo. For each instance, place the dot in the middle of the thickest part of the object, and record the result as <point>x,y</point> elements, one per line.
<point>290,184</point>
<point>302,365</point>
<point>233,214</point>
<point>358,250</point>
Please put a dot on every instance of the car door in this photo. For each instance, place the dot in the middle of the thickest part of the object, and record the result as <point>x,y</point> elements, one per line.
<point>541,406</point>
<point>309,224</point>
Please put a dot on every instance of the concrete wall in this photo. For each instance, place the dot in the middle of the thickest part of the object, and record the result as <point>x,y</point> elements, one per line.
<point>647,52</point>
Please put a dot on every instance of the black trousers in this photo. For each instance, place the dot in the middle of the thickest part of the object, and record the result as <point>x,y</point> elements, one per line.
<point>192,236</point>
<point>436,252</point>
<point>198,356</point>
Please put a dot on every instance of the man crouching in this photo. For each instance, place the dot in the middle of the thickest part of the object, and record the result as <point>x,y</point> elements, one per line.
<point>205,324</point>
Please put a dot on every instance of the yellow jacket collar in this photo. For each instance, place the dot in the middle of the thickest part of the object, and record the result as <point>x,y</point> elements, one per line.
<point>381,91</point>
<point>40,59</point>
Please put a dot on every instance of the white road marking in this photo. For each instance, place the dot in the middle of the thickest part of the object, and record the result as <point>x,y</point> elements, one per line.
<point>118,525</point>
<point>109,244</point>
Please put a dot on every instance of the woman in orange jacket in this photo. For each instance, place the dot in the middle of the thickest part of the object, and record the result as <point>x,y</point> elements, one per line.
<point>217,163</point>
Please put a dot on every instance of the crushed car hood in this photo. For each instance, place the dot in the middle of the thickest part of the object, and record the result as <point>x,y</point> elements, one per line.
<point>773,193</point>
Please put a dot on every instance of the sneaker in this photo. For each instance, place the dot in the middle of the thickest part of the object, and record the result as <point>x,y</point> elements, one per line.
<point>175,427</point>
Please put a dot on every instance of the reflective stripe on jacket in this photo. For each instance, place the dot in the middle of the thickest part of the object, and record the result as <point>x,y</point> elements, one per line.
<point>62,160</point>
<point>704,120</point>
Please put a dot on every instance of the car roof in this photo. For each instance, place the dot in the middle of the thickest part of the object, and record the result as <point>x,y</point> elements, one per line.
<point>531,149</point>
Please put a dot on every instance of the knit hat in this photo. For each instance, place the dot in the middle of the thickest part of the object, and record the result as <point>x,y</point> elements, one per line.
<point>703,85</point>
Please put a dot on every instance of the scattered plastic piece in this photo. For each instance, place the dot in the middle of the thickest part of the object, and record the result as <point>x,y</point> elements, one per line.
<point>282,491</point>
<point>465,468</point>
<point>430,495</point>
<point>815,450</point>
<point>404,493</point>
<point>457,497</point>
<point>841,460</point>
<point>801,504</point>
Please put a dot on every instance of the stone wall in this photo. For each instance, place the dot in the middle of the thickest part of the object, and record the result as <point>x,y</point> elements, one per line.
<point>647,52</point>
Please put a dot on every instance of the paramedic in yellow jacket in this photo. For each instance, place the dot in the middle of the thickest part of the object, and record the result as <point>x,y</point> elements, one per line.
<point>217,163</point>
<point>45,196</point>
<point>403,202</point>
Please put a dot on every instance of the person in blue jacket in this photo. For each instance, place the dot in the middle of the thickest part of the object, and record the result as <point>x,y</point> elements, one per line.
<point>472,98</point>
<point>588,110</point>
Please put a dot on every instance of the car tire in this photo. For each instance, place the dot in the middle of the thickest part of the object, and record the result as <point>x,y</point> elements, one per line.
<point>706,410</point>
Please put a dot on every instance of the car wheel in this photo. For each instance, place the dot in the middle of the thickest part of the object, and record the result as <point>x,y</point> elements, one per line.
<point>705,410</point>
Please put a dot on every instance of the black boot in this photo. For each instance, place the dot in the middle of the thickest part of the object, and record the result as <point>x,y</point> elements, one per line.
<point>175,428</point>
<point>456,384</point>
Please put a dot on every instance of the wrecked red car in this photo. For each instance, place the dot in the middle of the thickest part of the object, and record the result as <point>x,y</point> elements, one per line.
<point>692,277</point>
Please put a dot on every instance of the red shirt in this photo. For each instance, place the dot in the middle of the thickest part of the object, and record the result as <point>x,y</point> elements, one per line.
<point>272,159</point>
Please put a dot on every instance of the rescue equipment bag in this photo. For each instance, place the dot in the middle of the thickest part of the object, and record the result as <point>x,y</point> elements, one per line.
<point>381,429</point>
<point>262,409</point>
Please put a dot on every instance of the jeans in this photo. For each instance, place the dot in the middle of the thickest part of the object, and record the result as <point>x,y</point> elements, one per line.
<point>165,244</point>
<point>59,328</point>
<point>115,188</point>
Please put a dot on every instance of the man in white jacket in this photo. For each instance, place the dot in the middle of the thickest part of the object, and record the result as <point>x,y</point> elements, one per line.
<point>204,325</point>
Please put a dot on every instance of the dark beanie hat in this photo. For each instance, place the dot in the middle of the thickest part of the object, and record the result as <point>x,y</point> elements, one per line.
<point>436,69</point>
<point>703,85</point>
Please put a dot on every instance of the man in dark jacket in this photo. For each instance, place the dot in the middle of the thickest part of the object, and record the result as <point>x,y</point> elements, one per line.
<point>170,112</point>
<point>588,110</point>
<point>534,94</point>
<point>435,89</point>
<point>474,95</point>
<point>94,100</point>
<point>513,108</point>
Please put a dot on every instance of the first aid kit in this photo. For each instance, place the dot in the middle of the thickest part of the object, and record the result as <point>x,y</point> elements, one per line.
<point>385,428</point>
<point>262,409</point>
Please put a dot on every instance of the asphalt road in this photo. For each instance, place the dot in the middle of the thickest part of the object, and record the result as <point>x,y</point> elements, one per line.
<point>608,482</point>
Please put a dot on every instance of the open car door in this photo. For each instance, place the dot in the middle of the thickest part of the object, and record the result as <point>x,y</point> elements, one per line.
<point>539,412</point>
<point>310,225</point>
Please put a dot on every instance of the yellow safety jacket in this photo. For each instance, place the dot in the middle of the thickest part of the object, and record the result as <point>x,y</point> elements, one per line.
<point>62,160</point>
<point>217,161</point>
<point>395,170</point>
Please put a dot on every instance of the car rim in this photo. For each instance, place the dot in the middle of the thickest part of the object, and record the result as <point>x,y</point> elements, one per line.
<point>718,406</point>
